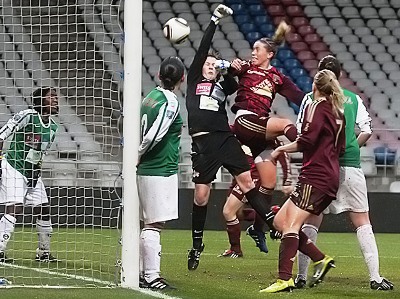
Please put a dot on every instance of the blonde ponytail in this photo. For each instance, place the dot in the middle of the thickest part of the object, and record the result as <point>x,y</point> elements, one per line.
<point>326,83</point>
<point>281,31</point>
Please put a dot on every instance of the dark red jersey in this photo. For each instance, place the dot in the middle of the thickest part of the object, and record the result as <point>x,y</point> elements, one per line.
<point>322,140</point>
<point>258,87</point>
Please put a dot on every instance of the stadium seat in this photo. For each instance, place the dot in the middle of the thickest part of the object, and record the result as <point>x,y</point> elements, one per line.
<point>299,46</point>
<point>263,19</point>
<point>331,39</point>
<point>312,38</point>
<point>350,39</point>
<point>317,22</point>
<point>331,12</point>
<point>284,54</point>
<point>252,37</point>
<point>299,21</point>
<point>305,30</point>
<point>305,55</point>
<point>240,19</point>
<point>290,64</point>
<point>293,37</point>
<point>313,11</point>
<point>267,29</point>
<point>294,11</point>
<point>297,72</point>
<point>247,28</point>
<point>256,10</point>
<point>310,64</point>
<point>350,12</point>
<point>318,48</point>
<point>276,10</point>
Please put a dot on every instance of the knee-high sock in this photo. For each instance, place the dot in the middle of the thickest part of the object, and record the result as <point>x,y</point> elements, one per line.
<point>303,260</point>
<point>199,215</point>
<point>290,132</point>
<point>257,200</point>
<point>233,229</point>
<point>367,242</point>
<point>287,255</point>
<point>151,253</point>
<point>7,225</point>
<point>307,247</point>
<point>44,231</point>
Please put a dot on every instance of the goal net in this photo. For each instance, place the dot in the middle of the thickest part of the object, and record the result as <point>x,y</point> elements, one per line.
<point>74,46</point>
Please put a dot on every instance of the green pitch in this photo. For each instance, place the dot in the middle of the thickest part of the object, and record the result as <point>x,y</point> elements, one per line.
<point>216,277</point>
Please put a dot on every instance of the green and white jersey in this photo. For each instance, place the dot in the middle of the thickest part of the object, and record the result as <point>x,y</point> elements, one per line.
<point>355,113</point>
<point>160,130</point>
<point>31,139</point>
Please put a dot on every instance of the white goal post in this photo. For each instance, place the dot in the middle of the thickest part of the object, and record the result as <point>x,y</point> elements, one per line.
<point>76,47</point>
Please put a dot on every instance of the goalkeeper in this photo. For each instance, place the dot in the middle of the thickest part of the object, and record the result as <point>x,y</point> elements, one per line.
<point>33,132</point>
<point>213,143</point>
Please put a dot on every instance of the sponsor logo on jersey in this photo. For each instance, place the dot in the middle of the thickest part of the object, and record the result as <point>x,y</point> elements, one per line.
<point>32,139</point>
<point>264,88</point>
<point>203,88</point>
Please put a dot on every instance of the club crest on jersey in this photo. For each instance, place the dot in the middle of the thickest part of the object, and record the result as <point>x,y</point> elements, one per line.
<point>169,114</point>
<point>203,88</point>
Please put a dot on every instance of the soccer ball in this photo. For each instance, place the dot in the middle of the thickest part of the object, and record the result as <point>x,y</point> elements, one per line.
<point>176,30</point>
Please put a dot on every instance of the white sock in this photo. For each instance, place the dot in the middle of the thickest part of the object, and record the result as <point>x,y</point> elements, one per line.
<point>44,231</point>
<point>151,255</point>
<point>367,242</point>
<point>141,270</point>
<point>303,260</point>
<point>7,225</point>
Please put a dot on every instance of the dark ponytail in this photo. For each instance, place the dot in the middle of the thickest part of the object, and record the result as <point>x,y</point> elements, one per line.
<point>171,72</point>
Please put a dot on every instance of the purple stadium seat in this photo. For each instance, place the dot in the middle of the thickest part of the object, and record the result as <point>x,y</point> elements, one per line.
<point>312,38</point>
<point>276,10</point>
<point>294,11</point>
<point>299,21</point>
<point>321,55</point>
<point>310,65</point>
<point>299,46</point>
<point>305,29</point>
<point>293,37</point>
<point>289,2</point>
<point>305,55</point>
<point>319,47</point>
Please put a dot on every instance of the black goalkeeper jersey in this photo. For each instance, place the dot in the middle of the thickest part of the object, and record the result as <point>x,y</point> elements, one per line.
<point>206,99</point>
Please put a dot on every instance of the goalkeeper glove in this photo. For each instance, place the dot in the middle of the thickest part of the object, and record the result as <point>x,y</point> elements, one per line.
<point>220,12</point>
<point>222,66</point>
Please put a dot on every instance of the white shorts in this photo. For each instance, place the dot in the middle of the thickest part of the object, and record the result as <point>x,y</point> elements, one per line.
<point>352,194</point>
<point>14,188</point>
<point>158,197</point>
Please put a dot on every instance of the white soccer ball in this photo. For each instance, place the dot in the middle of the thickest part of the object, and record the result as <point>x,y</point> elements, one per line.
<point>176,30</point>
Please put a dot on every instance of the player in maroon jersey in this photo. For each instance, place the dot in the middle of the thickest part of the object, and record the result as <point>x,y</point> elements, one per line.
<point>234,213</point>
<point>322,140</point>
<point>259,82</point>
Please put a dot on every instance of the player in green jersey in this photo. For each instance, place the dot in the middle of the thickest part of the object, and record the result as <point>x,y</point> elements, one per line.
<point>157,169</point>
<point>352,194</point>
<point>31,133</point>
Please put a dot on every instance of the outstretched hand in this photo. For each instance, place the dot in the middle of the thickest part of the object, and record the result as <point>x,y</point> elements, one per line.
<point>220,12</point>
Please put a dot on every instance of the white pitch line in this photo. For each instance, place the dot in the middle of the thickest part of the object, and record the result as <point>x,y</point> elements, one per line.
<point>78,277</point>
<point>156,294</point>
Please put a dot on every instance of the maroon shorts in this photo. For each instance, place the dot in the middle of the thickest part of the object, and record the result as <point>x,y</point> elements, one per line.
<point>250,129</point>
<point>310,199</point>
